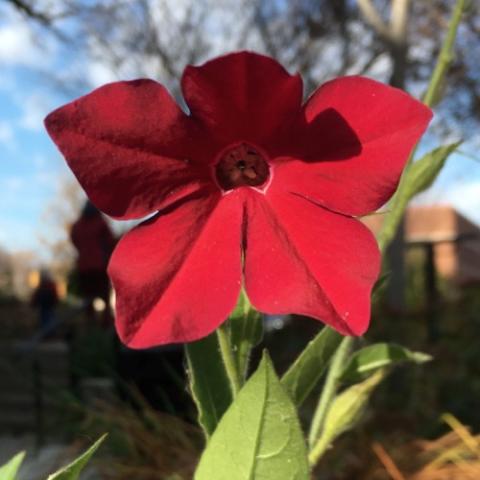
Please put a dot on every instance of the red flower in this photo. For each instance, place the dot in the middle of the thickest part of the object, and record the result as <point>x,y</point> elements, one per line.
<point>250,170</point>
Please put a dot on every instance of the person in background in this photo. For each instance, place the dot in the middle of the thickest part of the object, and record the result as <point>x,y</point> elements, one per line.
<point>94,242</point>
<point>45,299</point>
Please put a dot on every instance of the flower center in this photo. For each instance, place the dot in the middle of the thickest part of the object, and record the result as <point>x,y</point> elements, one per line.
<point>240,166</point>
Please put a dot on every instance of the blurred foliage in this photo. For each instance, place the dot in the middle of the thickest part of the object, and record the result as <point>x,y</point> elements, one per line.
<point>453,456</point>
<point>413,399</point>
<point>144,444</point>
<point>93,353</point>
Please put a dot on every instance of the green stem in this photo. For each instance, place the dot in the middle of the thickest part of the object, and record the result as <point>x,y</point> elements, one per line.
<point>228,359</point>
<point>317,451</point>
<point>445,57</point>
<point>398,204</point>
<point>330,388</point>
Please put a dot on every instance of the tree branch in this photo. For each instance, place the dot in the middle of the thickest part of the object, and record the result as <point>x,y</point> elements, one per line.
<point>399,21</point>
<point>374,19</point>
<point>28,10</point>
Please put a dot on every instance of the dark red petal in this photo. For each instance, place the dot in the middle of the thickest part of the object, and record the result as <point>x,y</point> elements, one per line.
<point>242,96</point>
<point>177,276</point>
<point>131,147</point>
<point>301,258</point>
<point>355,143</point>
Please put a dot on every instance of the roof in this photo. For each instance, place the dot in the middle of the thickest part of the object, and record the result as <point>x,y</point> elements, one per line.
<point>430,224</point>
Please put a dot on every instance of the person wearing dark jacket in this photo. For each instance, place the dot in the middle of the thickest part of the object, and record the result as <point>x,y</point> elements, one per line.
<point>94,242</point>
<point>45,299</point>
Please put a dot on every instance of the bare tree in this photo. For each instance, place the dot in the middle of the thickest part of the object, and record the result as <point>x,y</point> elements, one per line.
<point>58,218</point>
<point>392,40</point>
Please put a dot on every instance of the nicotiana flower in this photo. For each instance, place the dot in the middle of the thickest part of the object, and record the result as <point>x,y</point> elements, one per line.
<point>250,186</point>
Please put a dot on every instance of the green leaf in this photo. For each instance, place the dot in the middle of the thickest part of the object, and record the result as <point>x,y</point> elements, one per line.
<point>209,384</point>
<point>259,437</point>
<point>417,178</point>
<point>10,469</point>
<point>246,331</point>
<point>345,412</point>
<point>72,471</point>
<point>302,377</point>
<point>365,361</point>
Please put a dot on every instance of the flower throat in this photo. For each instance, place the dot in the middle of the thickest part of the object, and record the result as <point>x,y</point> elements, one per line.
<point>240,166</point>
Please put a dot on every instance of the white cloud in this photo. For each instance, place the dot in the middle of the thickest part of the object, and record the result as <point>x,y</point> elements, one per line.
<point>7,81</point>
<point>16,235</point>
<point>6,134</point>
<point>46,178</point>
<point>39,161</point>
<point>99,74</point>
<point>18,44</point>
<point>466,197</point>
<point>35,108</point>
<point>11,184</point>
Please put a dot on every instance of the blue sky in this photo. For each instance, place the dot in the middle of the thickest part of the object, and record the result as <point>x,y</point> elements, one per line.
<point>31,169</point>
<point>29,164</point>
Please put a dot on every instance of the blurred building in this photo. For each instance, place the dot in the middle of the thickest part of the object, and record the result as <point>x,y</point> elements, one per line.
<point>455,239</point>
<point>6,276</point>
<point>21,264</point>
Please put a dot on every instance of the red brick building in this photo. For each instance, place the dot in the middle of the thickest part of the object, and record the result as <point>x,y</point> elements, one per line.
<point>455,239</point>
